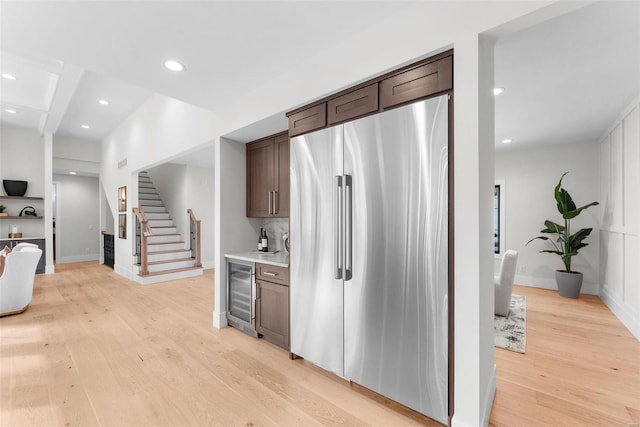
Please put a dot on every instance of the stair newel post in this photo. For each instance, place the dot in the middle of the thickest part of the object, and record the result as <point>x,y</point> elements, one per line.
<point>195,238</point>
<point>141,234</point>
<point>144,268</point>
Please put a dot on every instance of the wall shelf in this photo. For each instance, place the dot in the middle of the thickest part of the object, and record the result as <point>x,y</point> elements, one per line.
<point>20,198</point>
<point>21,217</point>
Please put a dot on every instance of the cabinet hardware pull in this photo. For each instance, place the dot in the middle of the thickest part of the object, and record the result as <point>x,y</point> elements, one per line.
<point>268,273</point>
<point>270,205</point>
<point>275,202</point>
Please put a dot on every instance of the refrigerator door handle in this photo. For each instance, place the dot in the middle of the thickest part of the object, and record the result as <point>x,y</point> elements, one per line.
<point>339,229</point>
<point>348,234</point>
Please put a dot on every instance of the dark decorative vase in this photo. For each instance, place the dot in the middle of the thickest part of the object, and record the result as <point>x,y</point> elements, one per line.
<point>14,188</point>
<point>569,284</point>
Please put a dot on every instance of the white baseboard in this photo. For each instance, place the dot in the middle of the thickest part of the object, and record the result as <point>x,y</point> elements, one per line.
<point>220,320</point>
<point>78,258</point>
<point>123,271</point>
<point>208,265</point>
<point>544,283</point>
<point>628,318</point>
<point>489,395</point>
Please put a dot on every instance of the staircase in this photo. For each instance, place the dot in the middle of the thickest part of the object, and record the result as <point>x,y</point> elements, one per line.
<point>168,255</point>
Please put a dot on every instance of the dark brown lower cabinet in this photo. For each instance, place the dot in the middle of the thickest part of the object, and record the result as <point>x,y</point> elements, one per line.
<point>272,312</point>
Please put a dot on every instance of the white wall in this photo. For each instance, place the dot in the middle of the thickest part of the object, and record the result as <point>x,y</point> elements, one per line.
<point>160,130</point>
<point>200,184</point>
<point>22,158</point>
<point>530,177</point>
<point>183,187</point>
<point>170,182</point>
<point>77,230</point>
<point>619,187</point>
<point>76,154</point>
<point>234,231</point>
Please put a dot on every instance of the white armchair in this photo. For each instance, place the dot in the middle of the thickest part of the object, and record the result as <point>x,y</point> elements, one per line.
<point>504,282</point>
<point>16,282</point>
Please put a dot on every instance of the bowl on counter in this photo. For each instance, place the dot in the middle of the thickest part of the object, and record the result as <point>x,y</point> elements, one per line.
<point>14,188</point>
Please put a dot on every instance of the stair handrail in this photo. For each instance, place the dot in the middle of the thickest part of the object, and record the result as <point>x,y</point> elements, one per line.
<point>145,232</point>
<point>195,238</point>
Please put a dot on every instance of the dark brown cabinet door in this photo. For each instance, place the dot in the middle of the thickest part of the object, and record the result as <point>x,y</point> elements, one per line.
<point>268,177</point>
<point>281,195</point>
<point>272,312</point>
<point>260,178</point>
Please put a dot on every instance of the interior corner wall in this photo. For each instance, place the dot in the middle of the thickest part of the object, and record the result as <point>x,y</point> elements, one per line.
<point>169,181</point>
<point>23,158</point>
<point>234,231</point>
<point>619,158</point>
<point>161,129</point>
<point>77,230</point>
<point>200,184</point>
<point>530,176</point>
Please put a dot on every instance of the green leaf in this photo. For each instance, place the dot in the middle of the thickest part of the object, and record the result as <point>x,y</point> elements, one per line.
<point>576,239</point>
<point>551,251</point>
<point>552,227</point>
<point>574,213</point>
<point>536,238</point>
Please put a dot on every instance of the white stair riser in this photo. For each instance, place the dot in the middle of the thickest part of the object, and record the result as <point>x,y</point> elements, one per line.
<point>167,256</point>
<point>160,223</point>
<point>166,247</point>
<point>170,266</point>
<point>164,230</point>
<point>144,192</point>
<point>160,238</point>
<point>160,209</point>
<point>157,215</point>
<point>147,203</point>
<point>148,197</point>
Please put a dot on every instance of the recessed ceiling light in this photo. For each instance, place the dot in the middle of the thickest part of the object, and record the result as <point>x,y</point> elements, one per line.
<point>507,141</point>
<point>498,90</point>
<point>84,126</point>
<point>174,65</point>
<point>10,111</point>
<point>103,102</point>
<point>73,173</point>
<point>8,76</point>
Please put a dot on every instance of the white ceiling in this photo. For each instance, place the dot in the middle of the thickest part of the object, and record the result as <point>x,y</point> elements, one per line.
<point>565,79</point>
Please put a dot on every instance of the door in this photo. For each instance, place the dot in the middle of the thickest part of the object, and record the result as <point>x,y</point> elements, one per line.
<point>396,313</point>
<point>316,294</point>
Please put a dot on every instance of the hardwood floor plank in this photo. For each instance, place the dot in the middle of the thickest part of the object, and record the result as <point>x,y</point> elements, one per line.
<point>96,349</point>
<point>581,367</point>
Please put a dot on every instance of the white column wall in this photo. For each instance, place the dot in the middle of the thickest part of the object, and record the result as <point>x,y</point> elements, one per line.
<point>620,199</point>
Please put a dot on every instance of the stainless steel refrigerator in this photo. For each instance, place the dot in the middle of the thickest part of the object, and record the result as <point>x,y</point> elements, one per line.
<point>369,252</point>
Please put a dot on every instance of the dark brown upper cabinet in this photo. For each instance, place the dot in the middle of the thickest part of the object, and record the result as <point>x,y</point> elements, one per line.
<point>417,83</point>
<point>268,177</point>
<point>353,104</point>
<point>429,77</point>
<point>307,120</point>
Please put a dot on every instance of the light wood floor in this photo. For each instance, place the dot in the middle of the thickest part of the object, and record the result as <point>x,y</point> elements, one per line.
<point>581,367</point>
<point>95,349</point>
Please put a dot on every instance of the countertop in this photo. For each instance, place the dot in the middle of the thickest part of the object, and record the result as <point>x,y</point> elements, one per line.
<point>280,259</point>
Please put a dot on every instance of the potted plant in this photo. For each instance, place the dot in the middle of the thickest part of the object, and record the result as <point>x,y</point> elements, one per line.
<point>566,244</point>
<point>2,212</point>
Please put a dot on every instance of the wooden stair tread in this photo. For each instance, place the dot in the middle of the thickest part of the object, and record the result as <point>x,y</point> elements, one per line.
<point>172,251</point>
<point>169,261</point>
<point>164,243</point>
